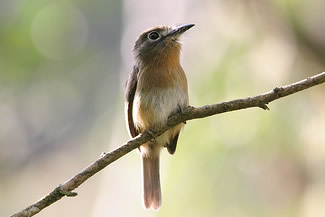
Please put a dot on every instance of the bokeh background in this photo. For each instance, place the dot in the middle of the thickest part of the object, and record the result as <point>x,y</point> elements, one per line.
<point>62,69</point>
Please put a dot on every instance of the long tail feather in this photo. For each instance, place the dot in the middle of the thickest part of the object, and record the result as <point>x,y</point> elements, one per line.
<point>151,183</point>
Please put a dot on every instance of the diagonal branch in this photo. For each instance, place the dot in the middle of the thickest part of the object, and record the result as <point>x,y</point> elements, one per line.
<point>188,113</point>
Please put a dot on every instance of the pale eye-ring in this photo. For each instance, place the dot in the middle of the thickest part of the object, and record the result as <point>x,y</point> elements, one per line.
<point>153,36</point>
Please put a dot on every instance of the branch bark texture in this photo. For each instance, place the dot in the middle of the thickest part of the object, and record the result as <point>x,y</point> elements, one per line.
<point>188,113</point>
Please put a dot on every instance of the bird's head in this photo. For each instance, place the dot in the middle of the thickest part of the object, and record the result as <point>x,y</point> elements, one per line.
<point>159,44</point>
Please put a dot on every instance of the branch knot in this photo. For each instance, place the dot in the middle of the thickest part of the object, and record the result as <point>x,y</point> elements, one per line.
<point>66,193</point>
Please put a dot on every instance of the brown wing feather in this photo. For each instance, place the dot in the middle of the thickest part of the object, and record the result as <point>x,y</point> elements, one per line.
<point>171,147</point>
<point>130,88</point>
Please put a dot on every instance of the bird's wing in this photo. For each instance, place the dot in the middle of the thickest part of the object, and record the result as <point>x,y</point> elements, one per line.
<point>171,147</point>
<point>130,88</point>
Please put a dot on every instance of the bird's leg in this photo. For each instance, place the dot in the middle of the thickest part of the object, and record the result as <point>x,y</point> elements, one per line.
<point>180,110</point>
<point>152,133</point>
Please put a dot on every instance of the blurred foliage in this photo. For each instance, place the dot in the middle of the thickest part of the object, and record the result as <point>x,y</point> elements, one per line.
<point>61,104</point>
<point>59,78</point>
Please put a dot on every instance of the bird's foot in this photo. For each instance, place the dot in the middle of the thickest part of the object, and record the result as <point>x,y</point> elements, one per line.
<point>152,133</point>
<point>181,111</point>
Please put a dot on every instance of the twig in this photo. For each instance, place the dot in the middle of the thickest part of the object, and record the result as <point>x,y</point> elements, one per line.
<point>188,113</point>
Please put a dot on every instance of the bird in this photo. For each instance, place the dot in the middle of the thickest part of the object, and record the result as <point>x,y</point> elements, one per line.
<point>155,89</point>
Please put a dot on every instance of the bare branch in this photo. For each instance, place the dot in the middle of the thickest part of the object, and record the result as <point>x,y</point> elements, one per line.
<point>188,113</point>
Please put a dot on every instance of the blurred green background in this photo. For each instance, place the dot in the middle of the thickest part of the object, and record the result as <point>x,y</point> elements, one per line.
<point>62,69</point>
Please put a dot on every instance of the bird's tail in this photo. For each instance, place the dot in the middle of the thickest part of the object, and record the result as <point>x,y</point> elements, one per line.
<point>151,182</point>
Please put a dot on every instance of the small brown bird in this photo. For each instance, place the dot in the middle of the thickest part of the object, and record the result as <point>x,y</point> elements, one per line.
<point>155,89</point>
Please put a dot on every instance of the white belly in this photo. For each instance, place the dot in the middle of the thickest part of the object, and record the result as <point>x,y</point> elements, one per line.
<point>153,108</point>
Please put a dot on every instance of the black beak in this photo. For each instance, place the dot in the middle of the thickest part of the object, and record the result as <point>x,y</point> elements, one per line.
<point>180,30</point>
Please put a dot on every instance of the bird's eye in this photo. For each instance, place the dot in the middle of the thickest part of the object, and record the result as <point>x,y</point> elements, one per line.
<point>153,35</point>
